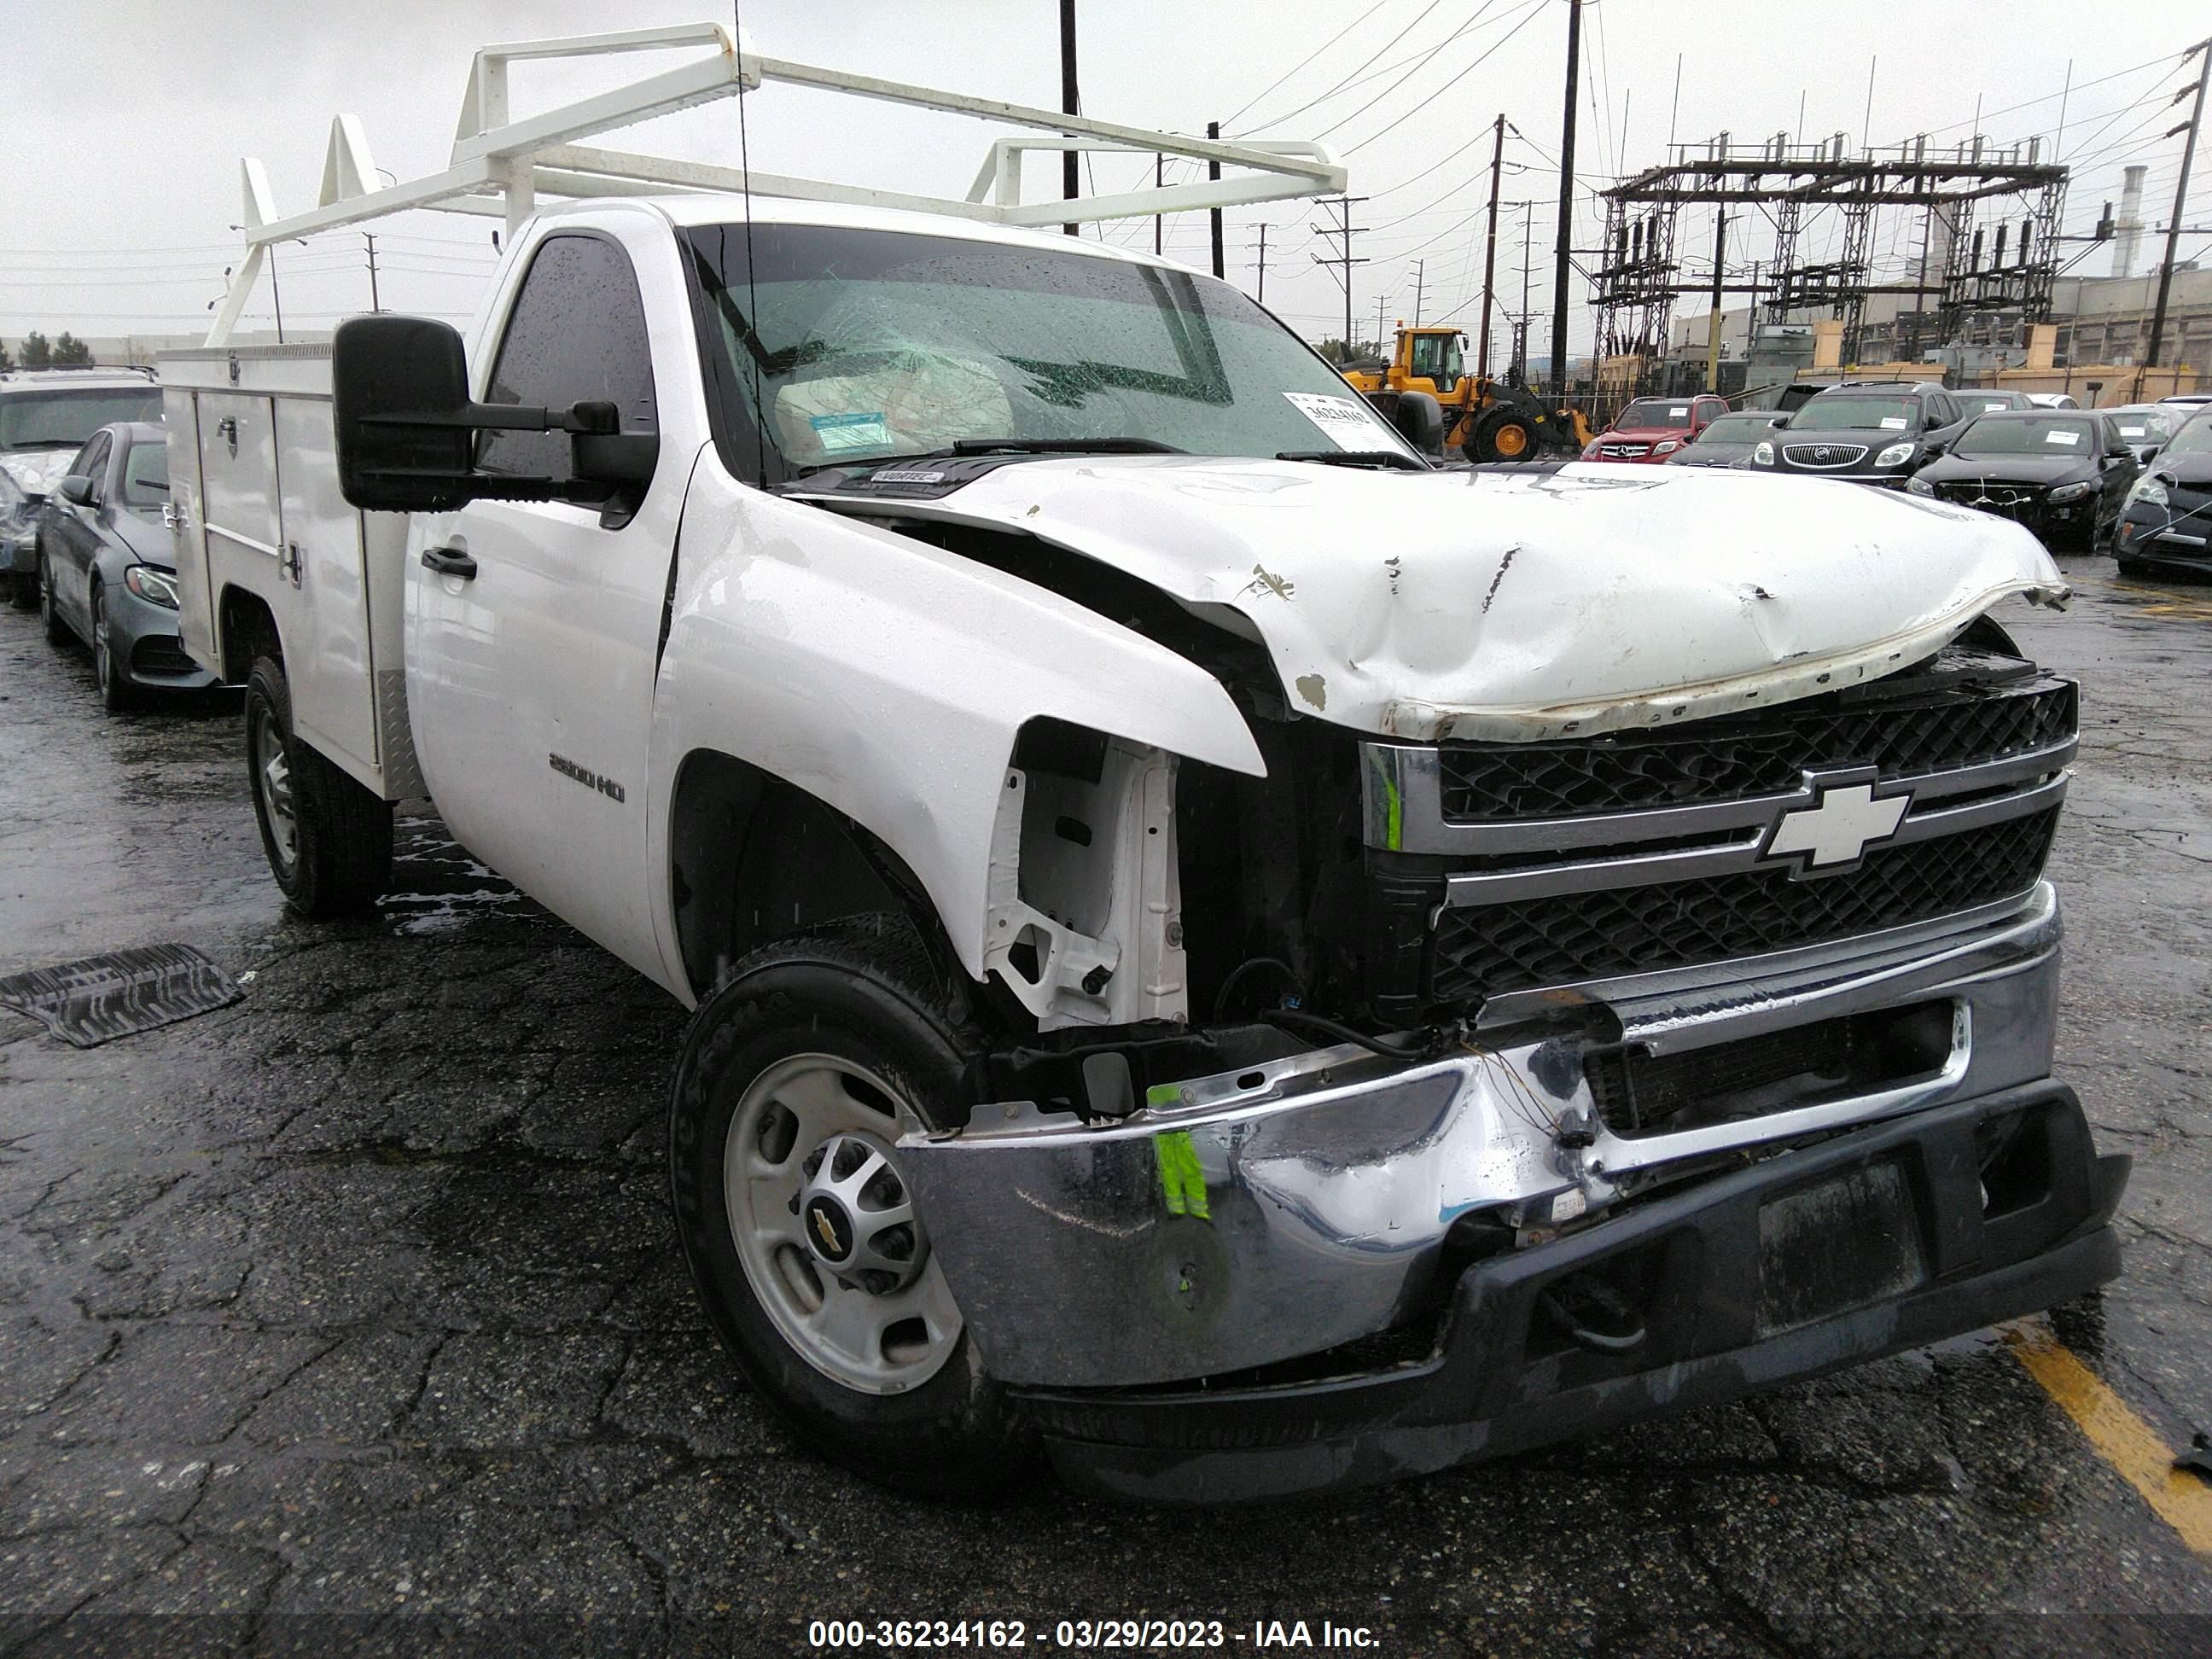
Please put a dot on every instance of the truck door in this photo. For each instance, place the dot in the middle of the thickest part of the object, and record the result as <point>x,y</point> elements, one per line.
<point>534,626</point>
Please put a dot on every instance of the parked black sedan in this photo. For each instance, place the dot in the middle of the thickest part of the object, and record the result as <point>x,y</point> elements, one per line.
<point>107,565</point>
<point>1727,440</point>
<point>2063,473</point>
<point>2168,520</point>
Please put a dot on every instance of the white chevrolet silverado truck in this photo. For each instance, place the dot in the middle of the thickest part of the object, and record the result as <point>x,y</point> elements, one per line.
<point>1216,948</point>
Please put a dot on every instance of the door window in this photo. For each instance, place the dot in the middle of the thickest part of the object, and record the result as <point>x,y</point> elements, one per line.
<point>1437,357</point>
<point>576,333</point>
<point>92,463</point>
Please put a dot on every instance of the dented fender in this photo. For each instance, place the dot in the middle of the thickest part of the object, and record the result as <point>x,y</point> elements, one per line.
<point>888,679</point>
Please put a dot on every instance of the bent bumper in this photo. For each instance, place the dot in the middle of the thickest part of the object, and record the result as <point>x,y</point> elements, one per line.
<point>1733,1285</point>
<point>1266,1215</point>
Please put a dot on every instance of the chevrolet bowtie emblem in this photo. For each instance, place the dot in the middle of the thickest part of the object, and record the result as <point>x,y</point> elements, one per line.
<point>1834,832</point>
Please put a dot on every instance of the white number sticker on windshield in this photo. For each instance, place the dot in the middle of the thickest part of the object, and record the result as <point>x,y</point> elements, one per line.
<point>841,434</point>
<point>1680,412</point>
<point>2069,438</point>
<point>1340,419</point>
<point>1893,424</point>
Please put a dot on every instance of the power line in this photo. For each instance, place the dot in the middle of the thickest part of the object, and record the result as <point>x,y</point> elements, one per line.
<point>1303,62</point>
<point>1340,85</point>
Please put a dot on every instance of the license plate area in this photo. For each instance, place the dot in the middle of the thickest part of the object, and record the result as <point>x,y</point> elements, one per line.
<point>1845,1243</point>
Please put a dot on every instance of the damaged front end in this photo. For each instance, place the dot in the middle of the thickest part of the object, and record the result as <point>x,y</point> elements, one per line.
<point>1337,1265</point>
<point>1546,1084</point>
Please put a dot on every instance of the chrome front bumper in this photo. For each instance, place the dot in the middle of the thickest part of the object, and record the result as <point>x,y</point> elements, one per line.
<point>1293,1207</point>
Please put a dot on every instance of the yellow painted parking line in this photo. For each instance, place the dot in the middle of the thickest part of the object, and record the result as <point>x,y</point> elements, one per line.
<point>2132,1446</point>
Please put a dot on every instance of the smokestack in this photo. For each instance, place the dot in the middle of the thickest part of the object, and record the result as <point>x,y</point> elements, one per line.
<point>2127,229</point>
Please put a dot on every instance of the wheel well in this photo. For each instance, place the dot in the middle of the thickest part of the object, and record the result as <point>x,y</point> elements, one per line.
<point>246,629</point>
<point>753,857</point>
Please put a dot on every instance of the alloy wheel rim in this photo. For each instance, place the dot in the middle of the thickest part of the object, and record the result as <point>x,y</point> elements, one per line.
<point>273,780</point>
<point>816,1205</point>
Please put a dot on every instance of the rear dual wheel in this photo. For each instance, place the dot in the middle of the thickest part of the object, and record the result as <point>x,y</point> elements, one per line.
<point>328,840</point>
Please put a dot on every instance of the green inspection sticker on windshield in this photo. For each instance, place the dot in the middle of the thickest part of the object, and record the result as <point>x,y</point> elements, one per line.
<point>841,434</point>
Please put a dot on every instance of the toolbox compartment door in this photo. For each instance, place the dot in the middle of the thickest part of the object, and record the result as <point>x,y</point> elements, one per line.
<point>329,661</point>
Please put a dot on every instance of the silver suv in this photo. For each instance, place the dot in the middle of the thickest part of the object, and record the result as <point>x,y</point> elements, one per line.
<point>47,416</point>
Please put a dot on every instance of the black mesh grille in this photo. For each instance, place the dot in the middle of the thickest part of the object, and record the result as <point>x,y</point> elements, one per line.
<point>1640,1092</point>
<point>161,654</point>
<point>1712,761</point>
<point>1483,950</point>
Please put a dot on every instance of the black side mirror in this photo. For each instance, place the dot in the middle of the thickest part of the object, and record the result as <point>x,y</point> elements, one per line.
<point>2145,453</point>
<point>1420,419</point>
<point>406,430</point>
<point>76,489</point>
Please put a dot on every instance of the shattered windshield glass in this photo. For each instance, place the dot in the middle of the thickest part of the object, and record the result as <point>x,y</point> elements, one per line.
<point>842,346</point>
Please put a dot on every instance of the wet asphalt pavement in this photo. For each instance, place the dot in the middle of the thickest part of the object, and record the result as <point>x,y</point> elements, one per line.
<point>349,1316</point>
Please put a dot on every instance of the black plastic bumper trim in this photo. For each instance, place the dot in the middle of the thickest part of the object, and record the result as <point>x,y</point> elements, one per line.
<point>1498,1385</point>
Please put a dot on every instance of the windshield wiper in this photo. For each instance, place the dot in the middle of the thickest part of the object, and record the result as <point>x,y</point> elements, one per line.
<point>1388,460</point>
<point>963,447</point>
<point>1063,446</point>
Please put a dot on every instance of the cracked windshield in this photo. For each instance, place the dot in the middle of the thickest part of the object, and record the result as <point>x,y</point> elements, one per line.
<point>870,345</point>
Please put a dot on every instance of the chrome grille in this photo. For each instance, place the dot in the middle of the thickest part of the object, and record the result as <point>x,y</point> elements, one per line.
<point>1623,451</point>
<point>1608,931</point>
<point>1715,760</point>
<point>1557,863</point>
<point>1824,455</point>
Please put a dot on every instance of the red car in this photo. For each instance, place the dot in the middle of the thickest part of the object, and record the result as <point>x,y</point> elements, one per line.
<point>1652,428</point>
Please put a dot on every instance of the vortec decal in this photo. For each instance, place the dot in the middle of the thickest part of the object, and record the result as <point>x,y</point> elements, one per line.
<point>585,776</point>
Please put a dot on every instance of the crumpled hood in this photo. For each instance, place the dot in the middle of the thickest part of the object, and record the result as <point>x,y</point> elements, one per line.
<point>39,470</point>
<point>1518,606</point>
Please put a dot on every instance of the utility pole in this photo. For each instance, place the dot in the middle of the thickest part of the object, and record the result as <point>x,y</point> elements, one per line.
<point>1262,295</point>
<point>373,304</point>
<point>1420,282</point>
<point>1378,326</point>
<point>1565,240</point>
<point>1490,249</point>
<point>1346,230</point>
<point>1214,172</point>
<point>1713,333</point>
<point>1159,220</point>
<point>1070,104</point>
<point>276,293</point>
<point>1521,345</point>
<point>2203,52</point>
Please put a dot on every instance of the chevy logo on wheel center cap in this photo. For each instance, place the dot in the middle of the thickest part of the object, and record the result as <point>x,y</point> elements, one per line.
<point>1832,835</point>
<point>829,1227</point>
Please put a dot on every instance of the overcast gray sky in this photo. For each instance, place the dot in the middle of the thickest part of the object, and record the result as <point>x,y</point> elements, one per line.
<point>122,122</point>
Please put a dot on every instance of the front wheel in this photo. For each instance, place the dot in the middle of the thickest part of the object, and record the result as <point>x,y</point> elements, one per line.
<point>796,1081</point>
<point>328,840</point>
<point>115,687</point>
<point>1503,434</point>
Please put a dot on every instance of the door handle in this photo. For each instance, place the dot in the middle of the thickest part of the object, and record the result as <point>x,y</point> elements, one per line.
<point>449,561</point>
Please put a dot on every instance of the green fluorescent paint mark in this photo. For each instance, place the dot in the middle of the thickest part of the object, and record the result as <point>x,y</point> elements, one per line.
<point>1182,1181</point>
<point>1393,832</point>
<point>1163,1094</point>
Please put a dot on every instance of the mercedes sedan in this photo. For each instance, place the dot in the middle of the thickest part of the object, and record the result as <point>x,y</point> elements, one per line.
<point>2063,473</point>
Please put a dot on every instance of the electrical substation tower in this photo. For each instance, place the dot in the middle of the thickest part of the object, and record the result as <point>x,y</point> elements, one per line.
<point>1987,253</point>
